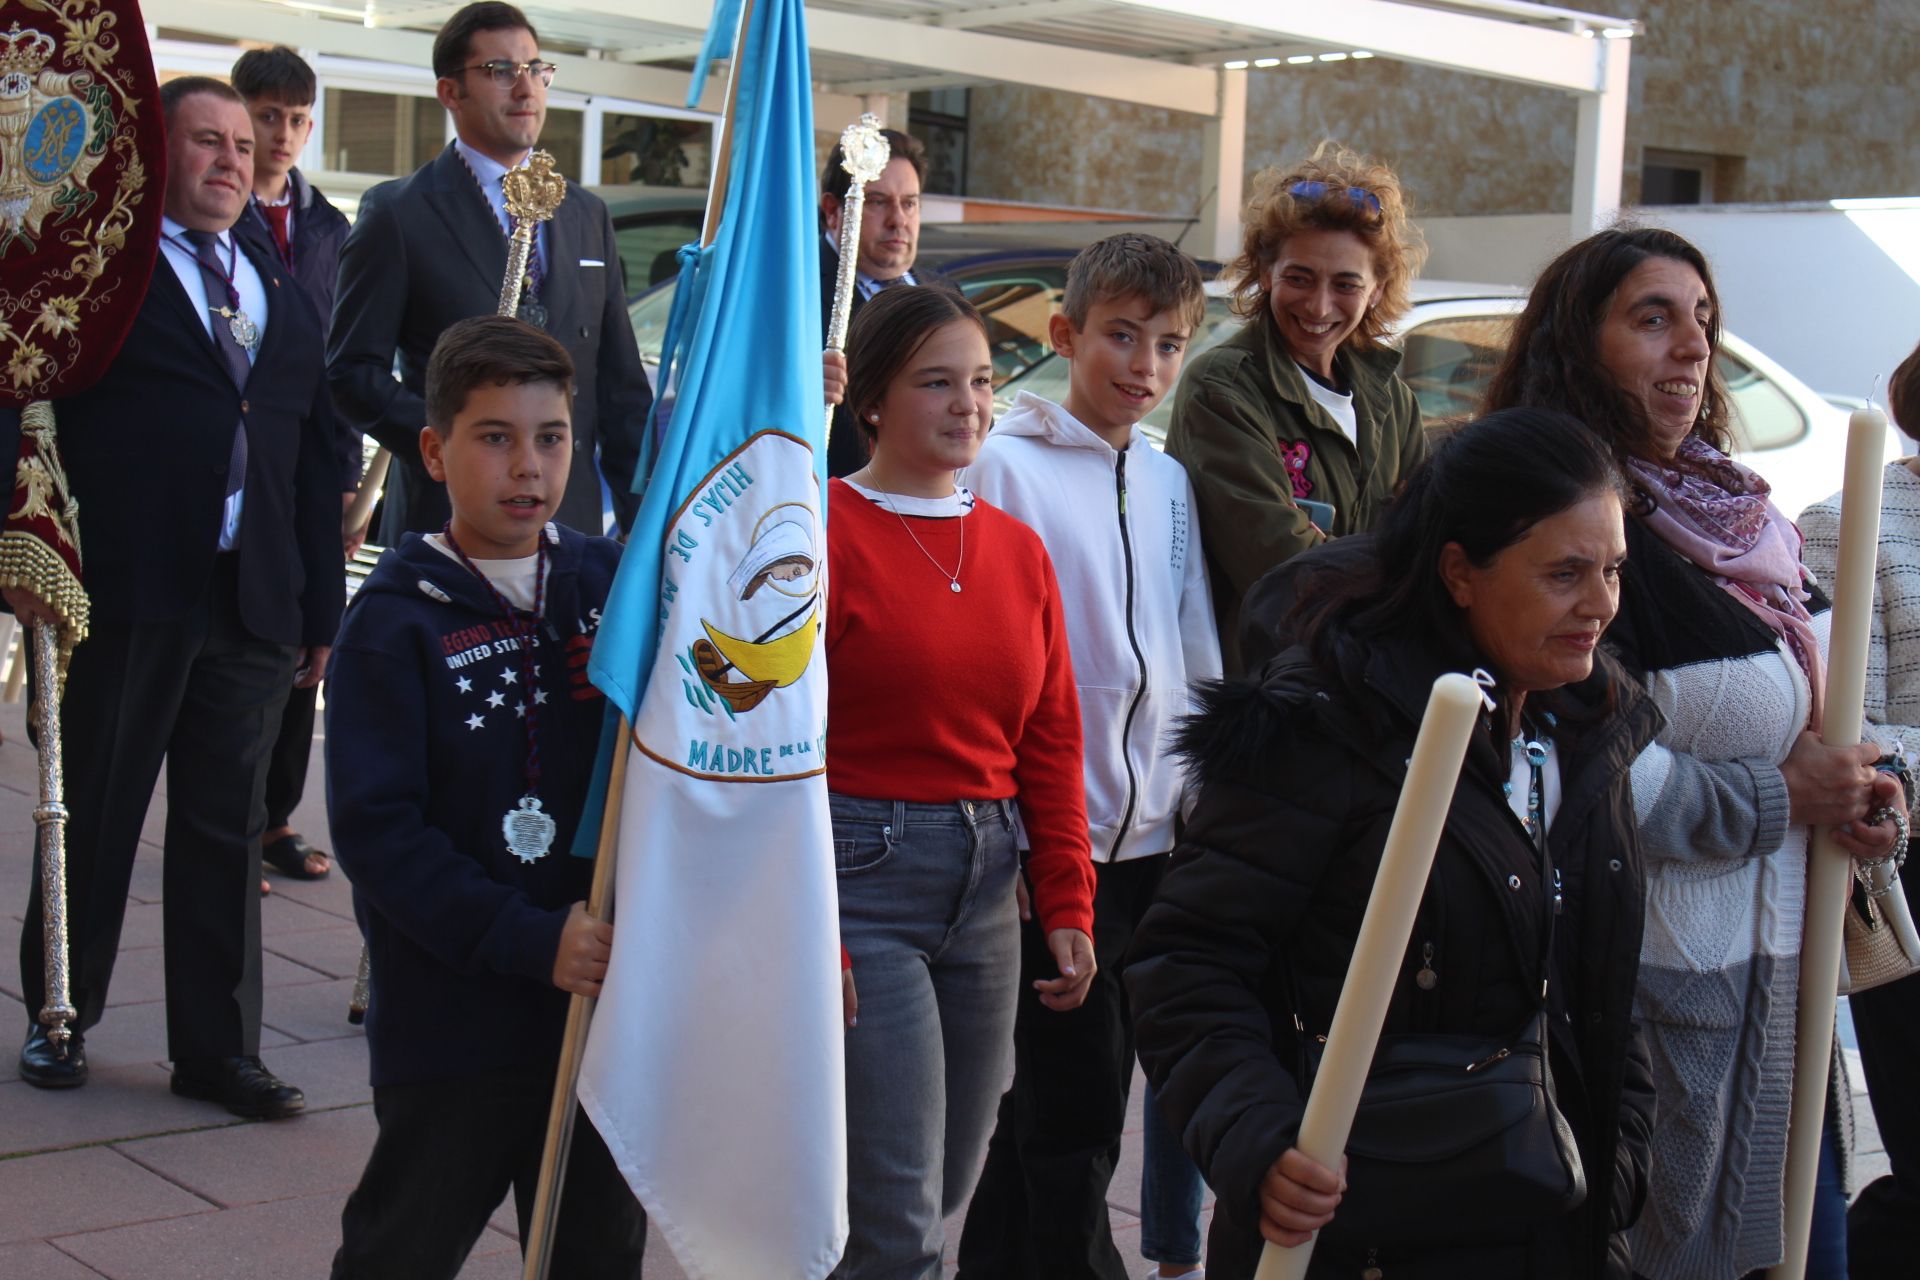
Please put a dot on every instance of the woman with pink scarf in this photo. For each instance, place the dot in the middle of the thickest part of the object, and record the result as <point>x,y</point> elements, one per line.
<point>1730,631</point>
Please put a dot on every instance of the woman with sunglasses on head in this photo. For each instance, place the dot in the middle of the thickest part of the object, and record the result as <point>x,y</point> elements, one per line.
<point>1298,428</point>
<point>952,699</point>
<point>1729,632</point>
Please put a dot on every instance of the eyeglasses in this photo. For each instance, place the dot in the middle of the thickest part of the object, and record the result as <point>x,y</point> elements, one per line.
<point>507,74</point>
<point>1361,197</point>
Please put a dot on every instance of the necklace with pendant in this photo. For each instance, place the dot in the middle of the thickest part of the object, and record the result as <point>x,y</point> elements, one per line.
<point>527,828</point>
<point>239,323</point>
<point>953,579</point>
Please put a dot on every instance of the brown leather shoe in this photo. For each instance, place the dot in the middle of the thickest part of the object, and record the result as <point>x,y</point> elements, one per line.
<point>242,1085</point>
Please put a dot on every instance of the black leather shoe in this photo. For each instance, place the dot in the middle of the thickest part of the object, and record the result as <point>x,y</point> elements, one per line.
<point>43,1067</point>
<point>242,1085</point>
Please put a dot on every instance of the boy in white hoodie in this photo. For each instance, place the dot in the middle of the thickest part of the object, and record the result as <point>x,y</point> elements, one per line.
<point>1117,518</point>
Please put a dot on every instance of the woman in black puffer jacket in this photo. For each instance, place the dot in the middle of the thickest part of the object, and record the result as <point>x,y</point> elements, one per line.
<point>1503,554</point>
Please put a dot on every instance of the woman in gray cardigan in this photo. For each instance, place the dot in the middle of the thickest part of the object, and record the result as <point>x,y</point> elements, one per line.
<point>1718,612</point>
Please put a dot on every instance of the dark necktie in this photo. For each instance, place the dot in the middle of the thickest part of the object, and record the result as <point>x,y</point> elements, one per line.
<point>222,291</point>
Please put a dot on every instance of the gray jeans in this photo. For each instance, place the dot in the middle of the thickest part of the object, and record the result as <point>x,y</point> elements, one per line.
<point>927,914</point>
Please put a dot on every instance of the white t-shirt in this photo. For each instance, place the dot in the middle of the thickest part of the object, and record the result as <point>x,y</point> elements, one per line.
<point>513,579</point>
<point>1339,406</point>
<point>957,503</point>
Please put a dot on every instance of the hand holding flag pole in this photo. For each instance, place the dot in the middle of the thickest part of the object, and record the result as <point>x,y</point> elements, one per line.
<point>1829,869</point>
<point>864,155</point>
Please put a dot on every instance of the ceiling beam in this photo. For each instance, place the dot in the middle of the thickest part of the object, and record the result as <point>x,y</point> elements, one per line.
<point>965,55</point>
<point>897,84</point>
<point>1007,15</point>
<point>1432,37</point>
<point>671,51</point>
<point>278,24</point>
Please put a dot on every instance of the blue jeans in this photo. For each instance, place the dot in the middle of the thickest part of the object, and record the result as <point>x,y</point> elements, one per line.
<point>927,915</point>
<point>1170,1191</point>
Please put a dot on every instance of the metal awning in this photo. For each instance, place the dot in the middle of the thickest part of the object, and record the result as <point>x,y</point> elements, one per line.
<point>1182,55</point>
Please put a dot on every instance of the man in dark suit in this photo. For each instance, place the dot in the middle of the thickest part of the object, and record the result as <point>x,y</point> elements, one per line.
<point>431,249</point>
<point>204,467</point>
<point>889,242</point>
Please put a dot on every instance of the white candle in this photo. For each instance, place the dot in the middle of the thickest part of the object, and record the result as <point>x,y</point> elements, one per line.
<point>1397,889</point>
<point>1828,871</point>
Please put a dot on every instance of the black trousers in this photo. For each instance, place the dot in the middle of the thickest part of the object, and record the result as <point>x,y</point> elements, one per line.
<point>287,762</point>
<point>204,695</point>
<point>447,1153</point>
<point>1883,1226</point>
<point>1040,1210</point>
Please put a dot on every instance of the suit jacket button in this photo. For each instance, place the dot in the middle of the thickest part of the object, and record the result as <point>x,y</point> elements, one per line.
<point>585,332</point>
<point>244,407</point>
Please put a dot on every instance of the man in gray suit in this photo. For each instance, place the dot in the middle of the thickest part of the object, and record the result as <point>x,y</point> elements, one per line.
<point>430,249</point>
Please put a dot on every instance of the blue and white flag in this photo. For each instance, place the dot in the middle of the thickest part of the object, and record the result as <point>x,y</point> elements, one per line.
<point>714,1064</point>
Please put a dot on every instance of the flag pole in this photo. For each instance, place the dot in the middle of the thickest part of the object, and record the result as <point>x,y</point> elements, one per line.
<point>553,1156</point>
<point>566,1084</point>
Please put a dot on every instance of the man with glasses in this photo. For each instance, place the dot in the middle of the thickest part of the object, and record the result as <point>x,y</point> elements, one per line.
<point>430,249</point>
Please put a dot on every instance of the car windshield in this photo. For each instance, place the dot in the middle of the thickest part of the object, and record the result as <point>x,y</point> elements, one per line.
<point>1014,296</point>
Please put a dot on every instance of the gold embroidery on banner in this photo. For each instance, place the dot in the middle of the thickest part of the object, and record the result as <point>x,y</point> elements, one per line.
<point>66,106</point>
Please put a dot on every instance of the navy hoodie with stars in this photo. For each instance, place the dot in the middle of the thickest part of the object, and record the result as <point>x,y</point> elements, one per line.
<point>426,753</point>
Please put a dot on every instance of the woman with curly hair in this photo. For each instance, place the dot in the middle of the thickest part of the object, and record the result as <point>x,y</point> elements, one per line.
<point>1298,428</point>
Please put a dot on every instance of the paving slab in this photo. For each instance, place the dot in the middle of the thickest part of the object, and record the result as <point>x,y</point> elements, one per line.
<point>311,1011</point>
<point>261,1162</point>
<point>119,1102</point>
<point>295,907</point>
<point>42,1262</point>
<point>66,1192</point>
<point>334,952</point>
<point>332,1073</point>
<point>130,1035</point>
<point>278,1240</point>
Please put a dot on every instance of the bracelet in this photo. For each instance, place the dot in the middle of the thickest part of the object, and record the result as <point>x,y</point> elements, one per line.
<point>1878,875</point>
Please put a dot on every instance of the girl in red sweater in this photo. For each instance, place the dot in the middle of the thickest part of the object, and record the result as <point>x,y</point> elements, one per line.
<point>952,698</point>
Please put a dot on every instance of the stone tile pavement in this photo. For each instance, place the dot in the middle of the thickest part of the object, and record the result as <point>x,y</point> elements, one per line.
<point>121,1179</point>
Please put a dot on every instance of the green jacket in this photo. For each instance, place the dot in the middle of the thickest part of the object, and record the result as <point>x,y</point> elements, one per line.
<point>1252,441</point>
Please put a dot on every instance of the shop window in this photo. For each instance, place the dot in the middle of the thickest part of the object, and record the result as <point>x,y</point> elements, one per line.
<point>655,152</point>
<point>938,117</point>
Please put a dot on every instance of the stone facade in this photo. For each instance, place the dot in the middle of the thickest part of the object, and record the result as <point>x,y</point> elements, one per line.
<point>1796,100</point>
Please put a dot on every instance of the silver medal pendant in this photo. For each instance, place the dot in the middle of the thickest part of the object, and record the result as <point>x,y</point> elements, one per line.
<point>955,586</point>
<point>532,313</point>
<point>244,330</point>
<point>528,829</point>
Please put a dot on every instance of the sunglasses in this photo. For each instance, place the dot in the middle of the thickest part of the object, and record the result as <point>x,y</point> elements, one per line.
<point>1361,197</point>
<point>506,74</point>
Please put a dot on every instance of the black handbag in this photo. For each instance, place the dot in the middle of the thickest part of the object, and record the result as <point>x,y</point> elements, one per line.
<point>1459,1138</point>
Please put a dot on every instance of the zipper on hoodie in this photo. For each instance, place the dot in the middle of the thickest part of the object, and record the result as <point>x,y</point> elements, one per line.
<point>1139,657</point>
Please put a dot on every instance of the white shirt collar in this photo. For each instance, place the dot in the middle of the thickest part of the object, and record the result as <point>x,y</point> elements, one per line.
<point>179,231</point>
<point>485,168</point>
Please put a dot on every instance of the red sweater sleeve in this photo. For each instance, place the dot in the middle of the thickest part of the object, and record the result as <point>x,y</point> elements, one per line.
<point>1053,798</point>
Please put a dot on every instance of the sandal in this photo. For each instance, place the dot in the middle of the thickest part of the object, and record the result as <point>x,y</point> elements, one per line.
<point>289,855</point>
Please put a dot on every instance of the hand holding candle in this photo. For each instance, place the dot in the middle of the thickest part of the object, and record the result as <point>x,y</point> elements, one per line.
<point>1829,871</point>
<point>1398,886</point>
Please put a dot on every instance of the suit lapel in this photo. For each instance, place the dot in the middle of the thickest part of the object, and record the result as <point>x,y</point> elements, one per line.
<point>565,234</point>
<point>166,284</point>
<point>455,196</point>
